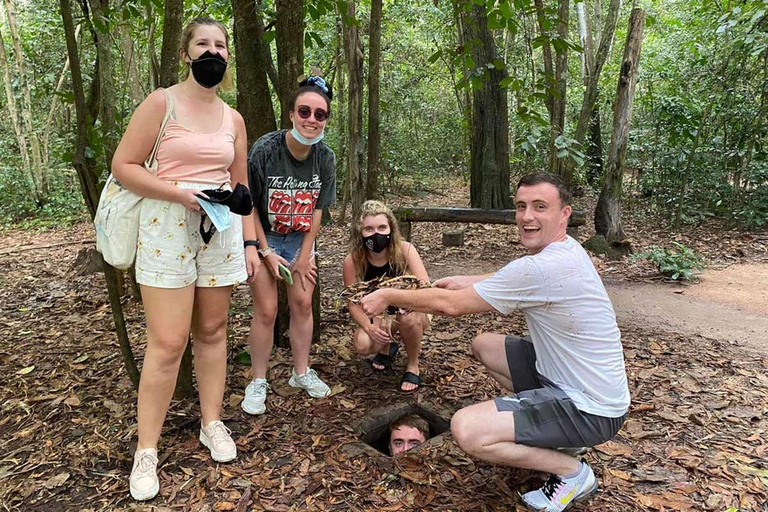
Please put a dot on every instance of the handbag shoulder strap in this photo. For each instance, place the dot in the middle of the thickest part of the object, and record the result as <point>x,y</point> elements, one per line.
<point>169,105</point>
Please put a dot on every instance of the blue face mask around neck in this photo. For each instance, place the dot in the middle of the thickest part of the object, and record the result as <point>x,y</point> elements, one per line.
<point>305,141</point>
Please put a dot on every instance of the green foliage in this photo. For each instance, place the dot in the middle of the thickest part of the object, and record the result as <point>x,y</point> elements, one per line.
<point>17,206</point>
<point>678,264</point>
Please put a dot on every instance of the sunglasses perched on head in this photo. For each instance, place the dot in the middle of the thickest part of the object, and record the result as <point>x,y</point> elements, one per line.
<point>304,113</point>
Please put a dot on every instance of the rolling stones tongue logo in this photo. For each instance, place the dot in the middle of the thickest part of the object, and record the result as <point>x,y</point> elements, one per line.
<point>302,223</point>
<point>283,224</point>
<point>304,201</point>
<point>292,212</point>
<point>279,202</point>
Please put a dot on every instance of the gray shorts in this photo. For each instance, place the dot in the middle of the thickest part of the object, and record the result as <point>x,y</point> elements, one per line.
<point>544,415</point>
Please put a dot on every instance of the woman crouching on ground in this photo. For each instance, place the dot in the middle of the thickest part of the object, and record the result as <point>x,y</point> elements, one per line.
<point>186,282</point>
<point>377,249</point>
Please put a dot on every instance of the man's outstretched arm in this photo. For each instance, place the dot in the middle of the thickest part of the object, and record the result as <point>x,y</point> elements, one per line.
<point>430,300</point>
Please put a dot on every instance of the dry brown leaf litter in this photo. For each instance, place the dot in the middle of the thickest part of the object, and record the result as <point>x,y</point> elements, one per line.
<point>695,439</point>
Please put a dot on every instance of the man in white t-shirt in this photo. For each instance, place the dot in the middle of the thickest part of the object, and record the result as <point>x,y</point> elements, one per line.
<point>569,378</point>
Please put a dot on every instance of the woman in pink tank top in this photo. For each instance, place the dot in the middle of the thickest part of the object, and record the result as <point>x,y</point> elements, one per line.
<point>186,279</point>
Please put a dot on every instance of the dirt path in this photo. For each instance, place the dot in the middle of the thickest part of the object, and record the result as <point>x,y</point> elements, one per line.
<point>729,304</point>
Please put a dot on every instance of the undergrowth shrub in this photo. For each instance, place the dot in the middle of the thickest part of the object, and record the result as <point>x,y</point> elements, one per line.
<point>678,264</point>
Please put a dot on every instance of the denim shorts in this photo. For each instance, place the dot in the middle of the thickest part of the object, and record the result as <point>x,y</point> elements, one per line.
<point>286,246</point>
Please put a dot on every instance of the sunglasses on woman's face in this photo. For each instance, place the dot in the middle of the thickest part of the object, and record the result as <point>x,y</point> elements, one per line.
<point>304,113</point>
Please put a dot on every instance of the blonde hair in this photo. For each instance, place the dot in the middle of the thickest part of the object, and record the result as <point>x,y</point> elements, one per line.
<point>186,37</point>
<point>397,260</point>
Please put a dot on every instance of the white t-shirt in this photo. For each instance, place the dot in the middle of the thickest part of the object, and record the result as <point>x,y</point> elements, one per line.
<point>571,322</point>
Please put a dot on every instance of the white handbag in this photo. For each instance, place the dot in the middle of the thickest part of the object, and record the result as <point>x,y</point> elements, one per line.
<point>117,216</point>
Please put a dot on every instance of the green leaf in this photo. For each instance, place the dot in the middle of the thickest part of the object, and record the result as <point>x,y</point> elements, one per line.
<point>435,56</point>
<point>243,357</point>
<point>507,81</point>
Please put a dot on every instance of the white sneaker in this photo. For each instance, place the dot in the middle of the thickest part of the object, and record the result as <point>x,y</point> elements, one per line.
<point>216,437</point>
<point>255,396</point>
<point>310,383</point>
<point>559,493</point>
<point>144,483</point>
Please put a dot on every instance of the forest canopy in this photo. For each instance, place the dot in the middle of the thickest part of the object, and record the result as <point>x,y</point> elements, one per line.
<point>696,144</point>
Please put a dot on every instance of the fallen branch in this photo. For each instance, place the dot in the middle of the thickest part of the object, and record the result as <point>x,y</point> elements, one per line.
<point>357,291</point>
<point>33,247</point>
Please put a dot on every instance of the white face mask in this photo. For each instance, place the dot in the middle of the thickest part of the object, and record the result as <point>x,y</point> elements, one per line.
<point>305,141</point>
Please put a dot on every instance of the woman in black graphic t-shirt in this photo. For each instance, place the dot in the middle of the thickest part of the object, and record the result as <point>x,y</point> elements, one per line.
<point>292,175</point>
<point>377,249</point>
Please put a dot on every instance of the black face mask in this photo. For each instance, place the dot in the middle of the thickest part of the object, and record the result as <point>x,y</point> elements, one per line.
<point>238,200</point>
<point>208,69</point>
<point>377,242</point>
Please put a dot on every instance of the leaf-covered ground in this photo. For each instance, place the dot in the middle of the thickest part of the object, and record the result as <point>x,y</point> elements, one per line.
<point>696,437</point>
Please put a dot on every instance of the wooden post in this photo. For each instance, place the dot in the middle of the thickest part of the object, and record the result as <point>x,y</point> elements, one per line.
<point>453,237</point>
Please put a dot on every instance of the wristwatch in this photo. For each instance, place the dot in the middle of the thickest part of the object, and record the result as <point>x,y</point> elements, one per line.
<point>251,243</point>
<point>263,253</point>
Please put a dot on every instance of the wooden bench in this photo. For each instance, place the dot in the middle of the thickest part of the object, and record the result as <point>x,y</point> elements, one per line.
<point>407,216</point>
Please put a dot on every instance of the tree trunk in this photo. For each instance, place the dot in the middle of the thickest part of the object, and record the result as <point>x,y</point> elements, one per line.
<point>254,101</point>
<point>593,67</point>
<point>341,159</point>
<point>463,98</point>
<point>289,38</point>
<point>39,176</point>
<point>489,149</point>
<point>546,49</point>
<point>21,136</point>
<point>608,210</point>
<point>374,73</point>
<point>130,64</point>
<point>169,54</point>
<point>354,55</point>
<point>87,174</point>
<point>154,66</point>
<point>266,50</point>
<point>595,149</point>
<point>54,104</point>
<point>557,120</point>
<point>107,91</point>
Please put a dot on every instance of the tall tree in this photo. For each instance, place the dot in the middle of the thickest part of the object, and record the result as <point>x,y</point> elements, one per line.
<point>339,93</point>
<point>289,38</point>
<point>21,135</point>
<point>555,70</point>
<point>354,57</point>
<point>374,78</point>
<point>153,65</point>
<point>169,53</point>
<point>592,66</point>
<point>130,64</point>
<point>106,71</point>
<point>608,211</point>
<point>39,177</point>
<point>48,128</point>
<point>489,148</point>
<point>88,175</point>
<point>254,100</point>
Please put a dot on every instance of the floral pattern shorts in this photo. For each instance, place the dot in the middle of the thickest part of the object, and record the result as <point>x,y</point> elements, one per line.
<point>171,252</point>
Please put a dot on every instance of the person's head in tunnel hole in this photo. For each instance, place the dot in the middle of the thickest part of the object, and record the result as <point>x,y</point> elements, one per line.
<point>407,432</point>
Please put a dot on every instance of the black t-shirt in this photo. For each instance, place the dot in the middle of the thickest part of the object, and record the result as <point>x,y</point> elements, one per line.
<point>372,272</point>
<point>287,191</point>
